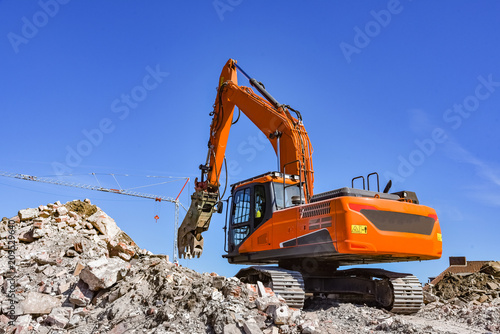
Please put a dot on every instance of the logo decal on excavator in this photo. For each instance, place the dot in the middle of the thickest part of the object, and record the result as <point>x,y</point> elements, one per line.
<point>359,229</point>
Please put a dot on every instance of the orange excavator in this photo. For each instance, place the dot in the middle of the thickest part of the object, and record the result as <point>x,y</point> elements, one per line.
<point>275,218</point>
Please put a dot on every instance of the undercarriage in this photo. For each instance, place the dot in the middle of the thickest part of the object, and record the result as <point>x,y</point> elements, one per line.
<point>395,292</point>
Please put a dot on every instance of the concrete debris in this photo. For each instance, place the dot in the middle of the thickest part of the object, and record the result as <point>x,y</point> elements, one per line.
<point>251,327</point>
<point>104,223</point>
<point>77,272</point>
<point>81,294</point>
<point>481,286</point>
<point>59,317</point>
<point>39,303</point>
<point>104,272</point>
<point>28,214</point>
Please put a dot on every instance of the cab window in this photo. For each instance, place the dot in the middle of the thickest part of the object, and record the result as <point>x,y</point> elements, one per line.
<point>290,191</point>
<point>240,216</point>
<point>241,208</point>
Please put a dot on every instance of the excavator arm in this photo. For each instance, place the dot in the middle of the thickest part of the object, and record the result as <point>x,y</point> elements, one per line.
<point>285,132</point>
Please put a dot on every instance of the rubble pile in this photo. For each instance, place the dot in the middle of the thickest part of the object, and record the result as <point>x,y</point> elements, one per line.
<point>68,268</point>
<point>77,272</point>
<point>472,298</point>
<point>481,287</point>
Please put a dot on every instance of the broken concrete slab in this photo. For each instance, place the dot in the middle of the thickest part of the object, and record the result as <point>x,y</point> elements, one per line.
<point>281,315</point>
<point>104,223</point>
<point>251,327</point>
<point>28,214</point>
<point>61,211</point>
<point>59,317</point>
<point>231,329</point>
<point>39,303</point>
<point>81,294</point>
<point>103,273</point>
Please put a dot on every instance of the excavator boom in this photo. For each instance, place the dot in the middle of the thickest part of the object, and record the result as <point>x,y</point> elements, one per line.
<point>286,134</point>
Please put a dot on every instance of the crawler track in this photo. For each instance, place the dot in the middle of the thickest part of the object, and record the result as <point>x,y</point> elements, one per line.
<point>286,283</point>
<point>408,295</point>
<point>396,292</point>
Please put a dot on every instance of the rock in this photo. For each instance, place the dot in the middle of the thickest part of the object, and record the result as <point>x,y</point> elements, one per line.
<point>104,224</point>
<point>39,303</point>
<point>4,319</point>
<point>123,246</point>
<point>39,222</point>
<point>63,287</point>
<point>38,233</point>
<point>43,257</point>
<point>62,221</point>
<point>71,253</point>
<point>492,285</point>
<point>81,294</point>
<point>26,236</point>
<point>251,327</point>
<point>231,329</point>
<point>61,211</point>
<point>482,298</point>
<point>218,282</point>
<point>44,214</point>
<point>385,325</point>
<point>74,321</point>
<point>27,214</point>
<point>281,315</point>
<point>263,303</point>
<point>103,273</point>
<point>272,330</point>
<point>309,330</point>
<point>429,297</point>
<point>78,269</point>
<point>81,246</point>
<point>72,222</point>
<point>59,317</point>
<point>23,324</point>
<point>261,289</point>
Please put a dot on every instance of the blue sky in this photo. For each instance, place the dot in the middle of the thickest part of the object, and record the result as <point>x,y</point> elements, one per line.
<point>410,89</point>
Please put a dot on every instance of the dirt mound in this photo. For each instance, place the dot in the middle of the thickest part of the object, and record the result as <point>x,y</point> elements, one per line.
<point>84,209</point>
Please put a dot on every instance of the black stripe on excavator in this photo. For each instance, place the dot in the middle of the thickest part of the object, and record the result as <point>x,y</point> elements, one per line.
<point>273,255</point>
<point>316,237</point>
<point>399,221</point>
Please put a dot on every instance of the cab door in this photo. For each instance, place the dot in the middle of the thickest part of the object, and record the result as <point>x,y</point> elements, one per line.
<point>240,219</point>
<point>262,217</point>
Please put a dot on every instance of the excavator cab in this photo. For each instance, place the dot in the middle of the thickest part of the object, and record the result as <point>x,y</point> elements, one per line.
<point>253,202</point>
